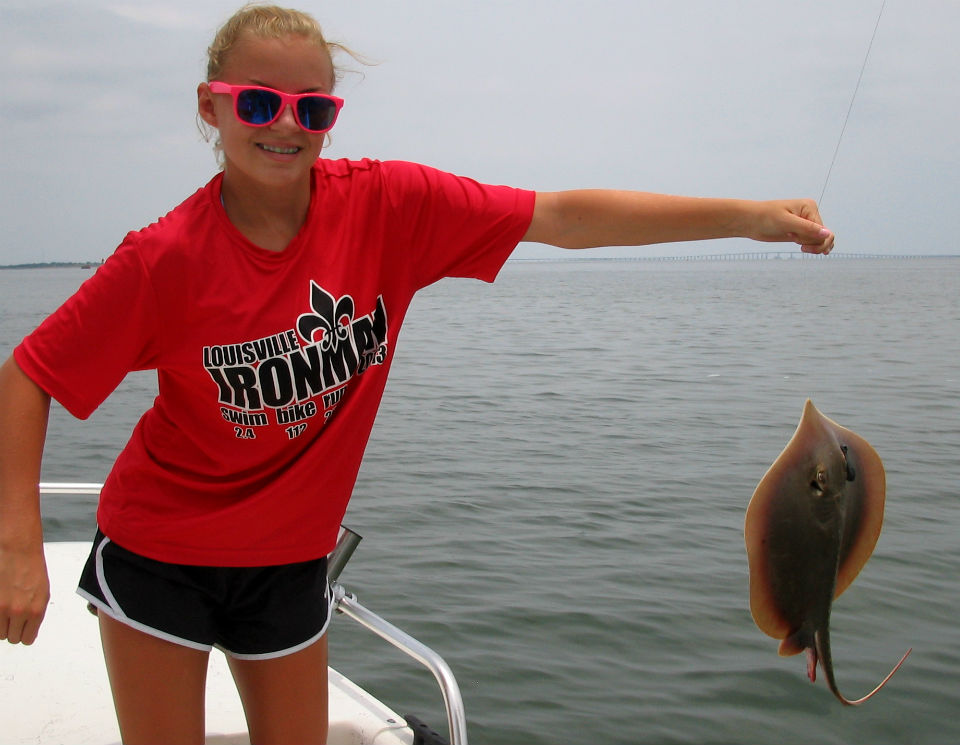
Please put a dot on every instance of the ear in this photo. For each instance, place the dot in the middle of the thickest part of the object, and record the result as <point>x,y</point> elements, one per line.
<point>205,107</point>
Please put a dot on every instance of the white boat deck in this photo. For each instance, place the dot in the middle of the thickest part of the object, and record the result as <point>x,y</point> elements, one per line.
<point>56,690</point>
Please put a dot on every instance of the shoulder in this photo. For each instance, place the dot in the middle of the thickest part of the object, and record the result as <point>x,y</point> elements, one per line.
<point>346,173</point>
<point>413,192</point>
<point>180,229</point>
<point>389,173</point>
<point>385,186</point>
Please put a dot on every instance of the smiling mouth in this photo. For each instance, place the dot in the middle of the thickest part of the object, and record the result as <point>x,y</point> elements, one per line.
<point>291,150</point>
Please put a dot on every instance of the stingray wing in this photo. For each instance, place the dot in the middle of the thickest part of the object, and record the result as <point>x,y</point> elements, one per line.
<point>764,513</point>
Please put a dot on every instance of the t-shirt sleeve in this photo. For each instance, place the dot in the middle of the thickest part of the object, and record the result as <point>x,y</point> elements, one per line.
<point>456,227</point>
<point>109,327</point>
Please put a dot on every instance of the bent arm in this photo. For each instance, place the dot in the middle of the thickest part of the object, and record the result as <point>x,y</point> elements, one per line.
<point>600,217</point>
<point>24,586</point>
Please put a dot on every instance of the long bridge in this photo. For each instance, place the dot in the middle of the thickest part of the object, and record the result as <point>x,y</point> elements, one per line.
<point>796,254</point>
<point>766,255</point>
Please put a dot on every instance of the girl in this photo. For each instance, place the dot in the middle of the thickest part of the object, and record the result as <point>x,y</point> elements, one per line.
<point>269,303</point>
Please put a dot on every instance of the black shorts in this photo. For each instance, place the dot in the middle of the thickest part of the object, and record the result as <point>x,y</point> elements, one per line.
<point>248,612</point>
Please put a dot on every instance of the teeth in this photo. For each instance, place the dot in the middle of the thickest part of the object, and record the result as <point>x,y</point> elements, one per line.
<point>278,149</point>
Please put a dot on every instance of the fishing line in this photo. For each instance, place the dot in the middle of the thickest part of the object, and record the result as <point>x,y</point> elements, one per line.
<point>852,99</point>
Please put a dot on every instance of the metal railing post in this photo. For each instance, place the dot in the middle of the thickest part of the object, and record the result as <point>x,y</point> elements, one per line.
<point>456,717</point>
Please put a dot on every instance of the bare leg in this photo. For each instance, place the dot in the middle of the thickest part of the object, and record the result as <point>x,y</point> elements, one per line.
<point>158,686</point>
<point>285,699</point>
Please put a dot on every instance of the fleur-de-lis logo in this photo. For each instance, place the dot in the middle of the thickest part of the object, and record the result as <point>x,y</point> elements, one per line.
<point>332,317</point>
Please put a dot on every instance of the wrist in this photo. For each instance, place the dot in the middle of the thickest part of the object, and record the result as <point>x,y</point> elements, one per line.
<point>741,218</point>
<point>21,526</point>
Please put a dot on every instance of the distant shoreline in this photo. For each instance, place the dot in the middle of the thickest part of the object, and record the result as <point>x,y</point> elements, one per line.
<point>751,256</point>
<point>55,265</point>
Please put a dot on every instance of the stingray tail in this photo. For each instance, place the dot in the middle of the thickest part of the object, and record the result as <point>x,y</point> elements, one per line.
<point>822,641</point>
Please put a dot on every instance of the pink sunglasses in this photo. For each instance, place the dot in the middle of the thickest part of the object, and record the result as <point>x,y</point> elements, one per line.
<point>259,107</point>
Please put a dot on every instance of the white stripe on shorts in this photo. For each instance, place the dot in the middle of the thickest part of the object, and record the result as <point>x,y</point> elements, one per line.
<point>112,608</point>
<point>290,650</point>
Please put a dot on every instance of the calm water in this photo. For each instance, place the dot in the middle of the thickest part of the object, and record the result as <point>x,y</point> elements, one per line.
<point>554,494</point>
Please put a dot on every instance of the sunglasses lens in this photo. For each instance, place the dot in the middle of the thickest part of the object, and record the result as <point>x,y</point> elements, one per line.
<point>257,106</point>
<point>316,113</point>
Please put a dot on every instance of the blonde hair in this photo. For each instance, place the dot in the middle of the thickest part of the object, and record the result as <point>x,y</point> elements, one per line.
<point>267,22</point>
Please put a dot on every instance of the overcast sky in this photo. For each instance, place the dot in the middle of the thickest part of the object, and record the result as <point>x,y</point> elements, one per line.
<point>739,98</point>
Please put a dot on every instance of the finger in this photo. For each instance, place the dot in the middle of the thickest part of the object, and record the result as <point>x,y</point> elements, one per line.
<point>815,250</point>
<point>29,632</point>
<point>808,230</point>
<point>818,248</point>
<point>813,236</point>
<point>14,631</point>
<point>21,629</point>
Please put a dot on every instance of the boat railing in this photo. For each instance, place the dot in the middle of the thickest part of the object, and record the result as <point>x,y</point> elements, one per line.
<point>58,488</point>
<point>347,604</point>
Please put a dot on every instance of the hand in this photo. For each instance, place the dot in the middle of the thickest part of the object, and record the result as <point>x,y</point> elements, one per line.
<point>24,593</point>
<point>796,220</point>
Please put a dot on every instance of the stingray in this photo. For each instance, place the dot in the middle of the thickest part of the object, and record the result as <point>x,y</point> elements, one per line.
<point>811,525</point>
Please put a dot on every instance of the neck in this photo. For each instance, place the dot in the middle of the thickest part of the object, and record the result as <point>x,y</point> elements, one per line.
<point>267,215</point>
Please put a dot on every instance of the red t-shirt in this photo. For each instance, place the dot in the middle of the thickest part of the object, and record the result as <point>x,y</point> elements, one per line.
<point>270,365</point>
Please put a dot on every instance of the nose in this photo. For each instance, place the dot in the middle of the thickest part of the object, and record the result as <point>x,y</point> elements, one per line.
<point>287,118</point>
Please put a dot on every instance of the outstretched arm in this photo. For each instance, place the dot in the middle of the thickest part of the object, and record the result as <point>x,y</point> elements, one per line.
<point>600,217</point>
<point>24,587</point>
